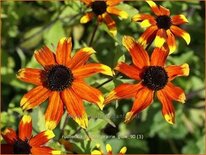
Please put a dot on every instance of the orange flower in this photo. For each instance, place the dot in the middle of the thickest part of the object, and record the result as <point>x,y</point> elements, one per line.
<point>154,76</point>
<point>109,150</point>
<point>103,9</point>
<point>161,28</point>
<point>25,143</point>
<point>62,81</point>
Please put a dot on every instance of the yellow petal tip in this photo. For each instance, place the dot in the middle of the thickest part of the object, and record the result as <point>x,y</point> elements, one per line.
<point>123,150</point>
<point>49,134</point>
<point>169,118</point>
<point>108,148</point>
<point>56,152</point>
<point>26,119</point>
<point>50,125</point>
<point>186,69</point>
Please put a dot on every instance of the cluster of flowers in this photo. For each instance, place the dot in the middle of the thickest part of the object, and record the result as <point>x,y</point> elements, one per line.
<point>62,78</point>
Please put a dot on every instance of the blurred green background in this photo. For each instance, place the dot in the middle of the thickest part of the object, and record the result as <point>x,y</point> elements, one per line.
<point>27,26</point>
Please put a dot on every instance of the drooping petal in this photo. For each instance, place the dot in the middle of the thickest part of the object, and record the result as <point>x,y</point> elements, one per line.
<point>92,94</point>
<point>148,36</point>
<point>174,92</point>
<point>75,107</point>
<point>175,71</point>
<point>87,2</point>
<point>118,12</point>
<point>159,56</point>
<point>30,75</point>
<point>113,2</point>
<point>123,91</point>
<point>54,110</point>
<point>141,17</point>
<point>25,128</point>
<point>179,19</point>
<point>167,107</point>
<point>160,38</point>
<point>45,56</point>
<point>129,70</point>
<point>63,52</point>
<point>41,138</point>
<point>154,7</point>
<point>34,97</point>
<point>90,69</point>
<point>9,135</point>
<point>143,99</point>
<point>171,41</point>
<point>109,149</point>
<point>44,150</point>
<point>164,11</point>
<point>110,23</point>
<point>87,17</point>
<point>139,56</point>
<point>123,150</point>
<point>180,33</point>
<point>81,57</point>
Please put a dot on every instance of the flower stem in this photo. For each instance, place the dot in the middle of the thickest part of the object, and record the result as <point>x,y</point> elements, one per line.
<point>93,34</point>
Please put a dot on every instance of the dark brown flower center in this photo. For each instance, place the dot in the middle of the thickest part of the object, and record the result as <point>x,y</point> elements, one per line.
<point>58,78</point>
<point>155,77</point>
<point>163,22</point>
<point>99,7</point>
<point>22,147</point>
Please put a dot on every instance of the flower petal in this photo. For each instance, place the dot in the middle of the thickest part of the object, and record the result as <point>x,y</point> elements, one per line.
<point>25,128</point>
<point>160,38</point>
<point>109,148</point>
<point>147,23</point>
<point>41,138</point>
<point>122,91</point>
<point>30,75</point>
<point>44,150</point>
<point>97,152</point>
<point>167,107</point>
<point>45,56</point>
<point>179,19</point>
<point>180,33</point>
<point>143,99</point>
<point>54,111</point>
<point>113,2</point>
<point>87,2</point>
<point>175,71</point>
<point>148,36</point>
<point>123,150</point>
<point>63,52</point>
<point>92,94</point>
<point>141,17</point>
<point>9,135</point>
<point>129,70</point>
<point>75,107</point>
<point>81,57</point>
<point>118,12</point>
<point>174,92</point>
<point>7,149</point>
<point>164,11</point>
<point>171,41</point>
<point>87,17</point>
<point>90,69</point>
<point>159,56</point>
<point>139,56</point>
<point>154,7</point>
<point>110,23</point>
<point>34,97</point>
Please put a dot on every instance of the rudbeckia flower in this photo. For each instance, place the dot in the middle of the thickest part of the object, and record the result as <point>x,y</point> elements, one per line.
<point>162,28</point>
<point>153,76</point>
<point>25,143</point>
<point>62,81</point>
<point>109,150</point>
<point>103,10</point>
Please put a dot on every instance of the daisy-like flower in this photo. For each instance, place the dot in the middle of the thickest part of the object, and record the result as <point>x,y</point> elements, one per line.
<point>25,143</point>
<point>161,28</point>
<point>103,10</point>
<point>109,150</point>
<point>62,81</point>
<point>154,77</point>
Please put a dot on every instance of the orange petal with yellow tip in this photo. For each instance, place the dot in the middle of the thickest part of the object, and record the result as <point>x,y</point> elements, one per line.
<point>171,41</point>
<point>87,17</point>
<point>164,11</point>
<point>154,7</point>
<point>45,56</point>
<point>143,99</point>
<point>110,23</point>
<point>118,12</point>
<point>9,135</point>
<point>175,71</point>
<point>54,110</point>
<point>92,94</point>
<point>34,97</point>
<point>30,75</point>
<point>109,148</point>
<point>159,56</point>
<point>81,57</point>
<point>25,128</point>
<point>91,69</point>
<point>139,56</point>
<point>44,150</point>
<point>75,107</point>
<point>63,52</point>
<point>160,38</point>
<point>129,70</point>
<point>141,17</point>
<point>179,19</point>
<point>167,107</point>
<point>41,138</point>
<point>113,2</point>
